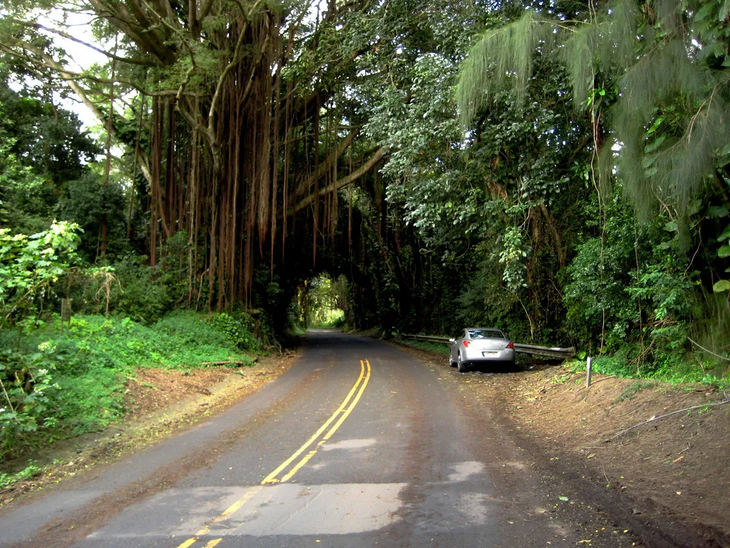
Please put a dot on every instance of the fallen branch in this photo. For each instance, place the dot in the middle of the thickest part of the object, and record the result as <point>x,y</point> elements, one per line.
<point>226,362</point>
<point>653,419</point>
<point>602,379</point>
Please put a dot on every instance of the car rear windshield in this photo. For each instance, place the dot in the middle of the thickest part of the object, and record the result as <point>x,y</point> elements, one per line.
<point>485,334</point>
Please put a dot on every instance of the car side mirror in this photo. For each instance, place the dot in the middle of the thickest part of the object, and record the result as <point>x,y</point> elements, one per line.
<point>452,341</point>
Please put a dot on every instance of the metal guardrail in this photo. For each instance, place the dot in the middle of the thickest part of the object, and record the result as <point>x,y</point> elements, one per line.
<point>556,353</point>
<point>427,338</point>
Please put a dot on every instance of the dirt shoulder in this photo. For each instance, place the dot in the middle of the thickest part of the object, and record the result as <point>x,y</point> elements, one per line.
<point>669,474</point>
<point>160,403</point>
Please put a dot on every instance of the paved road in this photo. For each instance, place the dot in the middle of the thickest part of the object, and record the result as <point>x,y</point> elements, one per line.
<point>358,444</point>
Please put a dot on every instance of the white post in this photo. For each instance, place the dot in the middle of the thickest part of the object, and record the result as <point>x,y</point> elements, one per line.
<point>589,370</point>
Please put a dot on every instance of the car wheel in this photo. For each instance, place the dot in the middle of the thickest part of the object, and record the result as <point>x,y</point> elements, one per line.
<point>460,365</point>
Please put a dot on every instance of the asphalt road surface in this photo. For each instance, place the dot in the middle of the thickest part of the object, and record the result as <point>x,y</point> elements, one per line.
<point>358,444</point>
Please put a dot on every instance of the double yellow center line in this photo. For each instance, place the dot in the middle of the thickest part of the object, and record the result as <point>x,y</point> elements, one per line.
<point>342,412</point>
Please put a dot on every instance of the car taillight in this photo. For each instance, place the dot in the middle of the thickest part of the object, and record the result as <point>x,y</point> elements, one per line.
<point>466,344</point>
<point>511,345</point>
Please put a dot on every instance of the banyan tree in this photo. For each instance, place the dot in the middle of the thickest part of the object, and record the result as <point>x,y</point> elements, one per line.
<point>232,112</point>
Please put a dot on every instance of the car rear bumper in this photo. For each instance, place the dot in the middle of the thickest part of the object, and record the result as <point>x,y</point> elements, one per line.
<point>506,355</point>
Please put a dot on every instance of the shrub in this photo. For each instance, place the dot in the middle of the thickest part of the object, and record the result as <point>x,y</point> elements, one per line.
<point>134,290</point>
<point>58,384</point>
<point>30,265</point>
<point>237,328</point>
<point>27,386</point>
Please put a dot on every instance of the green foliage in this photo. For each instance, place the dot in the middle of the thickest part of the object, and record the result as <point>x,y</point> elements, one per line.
<point>671,69</point>
<point>238,329</point>
<point>85,202</point>
<point>30,265</point>
<point>42,150</point>
<point>512,258</point>
<point>723,253</point>
<point>27,385</point>
<point>632,286</point>
<point>64,383</point>
<point>136,290</point>
<point>29,472</point>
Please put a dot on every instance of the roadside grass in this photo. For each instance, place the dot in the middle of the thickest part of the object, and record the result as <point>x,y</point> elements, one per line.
<point>439,348</point>
<point>29,472</point>
<point>634,388</point>
<point>85,367</point>
<point>674,371</point>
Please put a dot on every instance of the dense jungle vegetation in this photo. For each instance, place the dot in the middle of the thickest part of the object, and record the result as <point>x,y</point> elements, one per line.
<point>560,170</point>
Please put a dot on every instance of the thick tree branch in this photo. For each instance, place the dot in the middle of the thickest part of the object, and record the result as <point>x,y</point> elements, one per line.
<point>136,27</point>
<point>67,36</point>
<point>51,63</point>
<point>326,166</point>
<point>349,179</point>
<point>205,9</point>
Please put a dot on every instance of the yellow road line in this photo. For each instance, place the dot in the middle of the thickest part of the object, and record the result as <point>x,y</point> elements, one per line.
<point>227,513</point>
<point>271,478</point>
<point>328,435</point>
<point>362,382</point>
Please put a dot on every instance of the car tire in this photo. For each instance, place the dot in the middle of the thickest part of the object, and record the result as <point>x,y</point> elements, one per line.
<point>452,363</point>
<point>460,364</point>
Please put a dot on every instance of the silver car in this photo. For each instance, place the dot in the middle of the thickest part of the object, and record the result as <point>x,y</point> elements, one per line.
<point>480,345</point>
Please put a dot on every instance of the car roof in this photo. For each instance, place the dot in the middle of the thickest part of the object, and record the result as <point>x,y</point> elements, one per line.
<point>492,329</point>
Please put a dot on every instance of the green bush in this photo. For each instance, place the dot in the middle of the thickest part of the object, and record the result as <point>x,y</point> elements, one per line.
<point>666,367</point>
<point>30,266</point>
<point>27,390</point>
<point>134,290</point>
<point>237,328</point>
<point>64,383</point>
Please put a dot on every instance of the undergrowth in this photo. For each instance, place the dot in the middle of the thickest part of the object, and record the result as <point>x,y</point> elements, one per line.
<point>634,388</point>
<point>439,348</point>
<point>26,473</point>
<point>62,383</point>
<point>671,369</point>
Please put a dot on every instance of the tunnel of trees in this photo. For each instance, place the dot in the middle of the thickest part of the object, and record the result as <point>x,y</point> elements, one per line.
<point>556,169</point>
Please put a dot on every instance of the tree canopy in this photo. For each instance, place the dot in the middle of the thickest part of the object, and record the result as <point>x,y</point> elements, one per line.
<point>559,170</point>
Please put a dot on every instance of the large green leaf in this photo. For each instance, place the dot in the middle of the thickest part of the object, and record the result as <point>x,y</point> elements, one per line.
<point>725,234</point>
<point>722,285</point>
